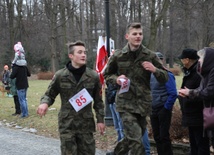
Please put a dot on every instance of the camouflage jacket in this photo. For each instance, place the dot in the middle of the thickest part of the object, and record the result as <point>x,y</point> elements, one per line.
<point>65,84</point>
<point>138,98</point>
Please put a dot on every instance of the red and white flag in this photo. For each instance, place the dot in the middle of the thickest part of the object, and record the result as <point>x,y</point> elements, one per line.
<point>102,58</point>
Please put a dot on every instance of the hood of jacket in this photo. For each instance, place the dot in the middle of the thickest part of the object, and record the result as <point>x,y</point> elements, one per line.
<point>208,62</point>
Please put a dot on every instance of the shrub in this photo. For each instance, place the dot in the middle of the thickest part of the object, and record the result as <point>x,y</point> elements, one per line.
<point>177,131</point>
<point>45,75</point>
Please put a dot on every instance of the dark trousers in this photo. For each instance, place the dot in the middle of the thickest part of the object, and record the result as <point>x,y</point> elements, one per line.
<point>160,122</point>
<point>199,145</point>
<point>17,104</point>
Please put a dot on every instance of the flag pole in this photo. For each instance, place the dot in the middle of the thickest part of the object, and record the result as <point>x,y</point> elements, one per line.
<point>108,117</point>
<point>107,26</point>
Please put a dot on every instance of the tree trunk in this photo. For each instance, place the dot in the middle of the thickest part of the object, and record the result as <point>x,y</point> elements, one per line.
<point>155,21</point>
<point>51,12</point>
<point>187,20</point>
<point>10,6</point>
<point>171,35</point>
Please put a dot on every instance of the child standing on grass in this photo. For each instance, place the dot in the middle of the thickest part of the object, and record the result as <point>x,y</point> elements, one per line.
<point>13,91</point>
<point>19,58</point>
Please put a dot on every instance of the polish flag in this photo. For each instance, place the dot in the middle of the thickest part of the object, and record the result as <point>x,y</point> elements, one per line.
<point>102,58</point>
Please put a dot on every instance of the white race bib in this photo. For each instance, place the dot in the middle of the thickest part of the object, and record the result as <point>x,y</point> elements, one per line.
<point>80,100</point>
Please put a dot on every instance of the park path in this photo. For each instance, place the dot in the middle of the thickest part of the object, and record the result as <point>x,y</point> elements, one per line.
<point>17,142</point>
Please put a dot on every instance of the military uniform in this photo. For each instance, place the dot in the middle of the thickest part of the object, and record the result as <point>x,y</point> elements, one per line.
<point>76,126</point>
<point>135,104</point>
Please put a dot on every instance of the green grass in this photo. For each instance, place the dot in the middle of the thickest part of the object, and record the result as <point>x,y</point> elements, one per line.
<point>179,81</point>
<point>178,85</point>
<point>47,125</point>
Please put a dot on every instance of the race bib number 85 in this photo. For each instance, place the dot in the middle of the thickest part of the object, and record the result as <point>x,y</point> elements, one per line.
<point>80,100</point>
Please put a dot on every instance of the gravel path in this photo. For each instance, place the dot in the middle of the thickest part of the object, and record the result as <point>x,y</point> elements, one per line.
<point>17,142</point>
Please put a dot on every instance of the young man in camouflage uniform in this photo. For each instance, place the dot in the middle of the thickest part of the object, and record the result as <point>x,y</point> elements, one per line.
<point>76,128</point>
<point>136,63</point>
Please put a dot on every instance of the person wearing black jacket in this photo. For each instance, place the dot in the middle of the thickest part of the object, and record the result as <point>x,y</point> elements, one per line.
<point>192,108</point>
<point>21,73</point>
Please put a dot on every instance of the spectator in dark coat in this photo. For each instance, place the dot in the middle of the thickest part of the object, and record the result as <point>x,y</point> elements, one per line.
<point>21,73</point>
<point>196,95</point>
<point>192,108</point>
<point>6,75</point>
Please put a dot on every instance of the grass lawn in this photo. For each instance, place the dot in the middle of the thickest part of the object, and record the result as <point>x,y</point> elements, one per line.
<point>47,124</point>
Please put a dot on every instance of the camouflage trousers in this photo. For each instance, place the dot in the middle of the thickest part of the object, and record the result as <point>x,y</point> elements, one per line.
<point>134,128</point>
<point>77,144</point>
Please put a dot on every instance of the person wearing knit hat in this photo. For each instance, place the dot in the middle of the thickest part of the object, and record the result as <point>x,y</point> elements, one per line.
<point>19,58</point>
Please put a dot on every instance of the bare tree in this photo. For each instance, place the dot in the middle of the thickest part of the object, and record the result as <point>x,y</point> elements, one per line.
<point>45,26</point>
<point>10,12</point>
<point>208,28</point>
<point>156,19</point>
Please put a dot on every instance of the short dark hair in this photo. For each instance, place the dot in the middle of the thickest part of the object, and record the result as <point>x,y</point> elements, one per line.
<point>134,25</point>
<point>72,44</point>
